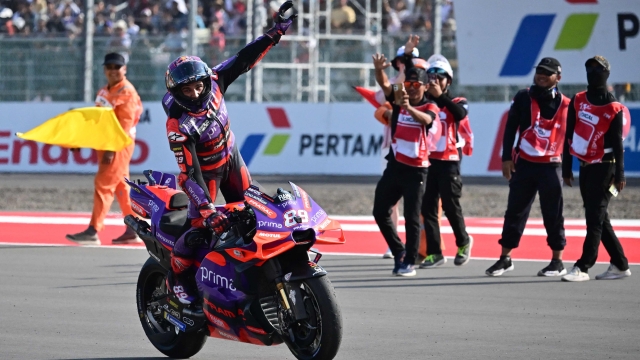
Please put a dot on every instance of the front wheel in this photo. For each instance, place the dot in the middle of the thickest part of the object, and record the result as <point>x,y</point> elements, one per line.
<point>319,336</point>
<point>162,334</point>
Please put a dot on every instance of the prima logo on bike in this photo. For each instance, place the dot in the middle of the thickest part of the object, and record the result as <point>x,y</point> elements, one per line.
<point>188,321</point>
<point>153,206</point>
<point>217,279</point>
<point>269,224</point>
<point>193,194</point>
<point>317,216</point>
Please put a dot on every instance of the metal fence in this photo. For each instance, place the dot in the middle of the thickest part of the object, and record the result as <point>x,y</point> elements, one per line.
<point>51,69</point>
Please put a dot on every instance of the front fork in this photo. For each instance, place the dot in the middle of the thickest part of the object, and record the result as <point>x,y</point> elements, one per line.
<point>290,297</point>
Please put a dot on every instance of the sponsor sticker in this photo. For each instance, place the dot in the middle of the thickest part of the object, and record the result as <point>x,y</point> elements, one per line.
<point>138,209</point>
<point>228,336</point>
<point>217,321</point>
<point>305,200</point>
<point>176,136</point>
<point>262,208</point>
<point>177,323</point>
<point>257,198</point>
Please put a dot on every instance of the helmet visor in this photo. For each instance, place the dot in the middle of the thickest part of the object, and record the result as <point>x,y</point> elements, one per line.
<point>187,72</point>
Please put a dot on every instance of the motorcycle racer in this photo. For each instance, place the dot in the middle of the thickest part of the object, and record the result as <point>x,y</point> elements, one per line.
<point>200,137</point>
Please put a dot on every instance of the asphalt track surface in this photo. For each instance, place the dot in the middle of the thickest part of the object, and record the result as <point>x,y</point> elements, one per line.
<point>79,303</point>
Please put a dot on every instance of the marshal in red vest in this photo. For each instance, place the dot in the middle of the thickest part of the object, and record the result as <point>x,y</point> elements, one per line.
<point>447,146</point>
<point>592,123</point>
<point>411,141</point>
<point>543,141</point>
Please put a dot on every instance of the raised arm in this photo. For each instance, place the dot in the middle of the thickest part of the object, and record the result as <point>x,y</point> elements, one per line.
<point>380,63</point>
<point>229,70</point>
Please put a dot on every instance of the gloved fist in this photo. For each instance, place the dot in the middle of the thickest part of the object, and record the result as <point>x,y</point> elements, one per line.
<point>282,21</point>
<point>217,222</point>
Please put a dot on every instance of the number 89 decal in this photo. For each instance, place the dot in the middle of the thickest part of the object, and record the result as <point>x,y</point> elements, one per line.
<point>289,220</point>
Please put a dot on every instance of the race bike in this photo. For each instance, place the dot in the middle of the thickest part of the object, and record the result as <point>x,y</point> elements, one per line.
<point>259,282</point>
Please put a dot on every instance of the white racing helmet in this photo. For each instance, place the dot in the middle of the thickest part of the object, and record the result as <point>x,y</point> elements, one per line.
<point>440,65</point>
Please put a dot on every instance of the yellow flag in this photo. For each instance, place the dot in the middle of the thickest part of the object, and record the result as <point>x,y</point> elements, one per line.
<point>90,127</point>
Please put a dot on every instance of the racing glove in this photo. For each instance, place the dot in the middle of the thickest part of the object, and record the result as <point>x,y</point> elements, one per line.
<point>218,222</point>
<point>280,22</point>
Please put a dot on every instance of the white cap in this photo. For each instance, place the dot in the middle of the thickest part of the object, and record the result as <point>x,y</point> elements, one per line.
<point>415,52</point>
<point>6,13</point>
<point>440,62</point>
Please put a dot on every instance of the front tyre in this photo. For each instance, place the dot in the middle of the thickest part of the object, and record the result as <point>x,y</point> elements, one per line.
<point>318,337</point>
<point>162,334</point>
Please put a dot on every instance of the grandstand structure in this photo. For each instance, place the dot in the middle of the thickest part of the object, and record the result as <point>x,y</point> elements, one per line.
<point>314,62</point>
<point>310,74</point>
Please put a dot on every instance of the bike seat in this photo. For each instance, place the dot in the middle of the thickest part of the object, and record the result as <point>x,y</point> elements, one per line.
<point>174,199</point>
<point>173,222</point>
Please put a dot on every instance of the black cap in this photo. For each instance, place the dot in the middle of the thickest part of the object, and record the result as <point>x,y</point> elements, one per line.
<point>416,74</point>
<point>115,59</point>
<point>550,64</point>
<point>601,61</point>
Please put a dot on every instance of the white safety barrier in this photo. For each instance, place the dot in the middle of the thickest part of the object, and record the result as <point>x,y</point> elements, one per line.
<point>278,138</point>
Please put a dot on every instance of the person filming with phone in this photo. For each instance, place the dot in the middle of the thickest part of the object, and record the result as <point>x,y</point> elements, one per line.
<point>414,121</point>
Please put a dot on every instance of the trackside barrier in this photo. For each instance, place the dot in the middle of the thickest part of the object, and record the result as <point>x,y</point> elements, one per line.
<point>275,138</point>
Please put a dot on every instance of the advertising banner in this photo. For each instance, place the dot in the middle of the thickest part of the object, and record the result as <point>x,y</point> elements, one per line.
<point>292,139</point>
<point>501,41</point>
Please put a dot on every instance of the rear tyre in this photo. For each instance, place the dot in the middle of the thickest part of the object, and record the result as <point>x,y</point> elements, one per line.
<point>318,337</point>
<point>162,334</point>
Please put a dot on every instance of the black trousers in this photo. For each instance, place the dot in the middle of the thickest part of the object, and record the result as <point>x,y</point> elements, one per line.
<point>400,181</point>
<point>531,178</point>
<point>443,181</point>
<point>594,188</point>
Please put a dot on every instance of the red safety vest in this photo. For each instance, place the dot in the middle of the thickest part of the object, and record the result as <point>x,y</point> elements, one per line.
<point>447,146</point>
<point>411,142</point>
<point>592,123</point>
<point>543,141</point>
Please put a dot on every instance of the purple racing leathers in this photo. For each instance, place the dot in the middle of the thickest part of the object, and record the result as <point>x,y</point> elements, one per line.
<point>204,145</point>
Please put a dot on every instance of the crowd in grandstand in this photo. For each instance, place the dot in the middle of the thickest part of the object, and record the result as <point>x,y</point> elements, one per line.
<point>128,19</point>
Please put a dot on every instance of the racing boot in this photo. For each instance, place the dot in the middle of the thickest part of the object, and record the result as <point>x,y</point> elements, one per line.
<point>181,280</point>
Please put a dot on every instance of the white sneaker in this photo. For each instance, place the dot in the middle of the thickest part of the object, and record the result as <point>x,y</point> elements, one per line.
<point>388,254</point>
<point>576,275</point>
<point>407,270</point>
<point>613,273</point>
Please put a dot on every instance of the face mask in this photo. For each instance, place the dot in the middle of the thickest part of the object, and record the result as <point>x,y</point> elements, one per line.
<point>597,79</point>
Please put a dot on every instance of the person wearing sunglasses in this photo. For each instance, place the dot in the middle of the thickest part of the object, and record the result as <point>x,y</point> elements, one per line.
<point>113,168</point>
<point>398,64</point>
<point>539,116</point>
<point>593,113</point>
<point>412,118</point>
<point>444,181</point>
